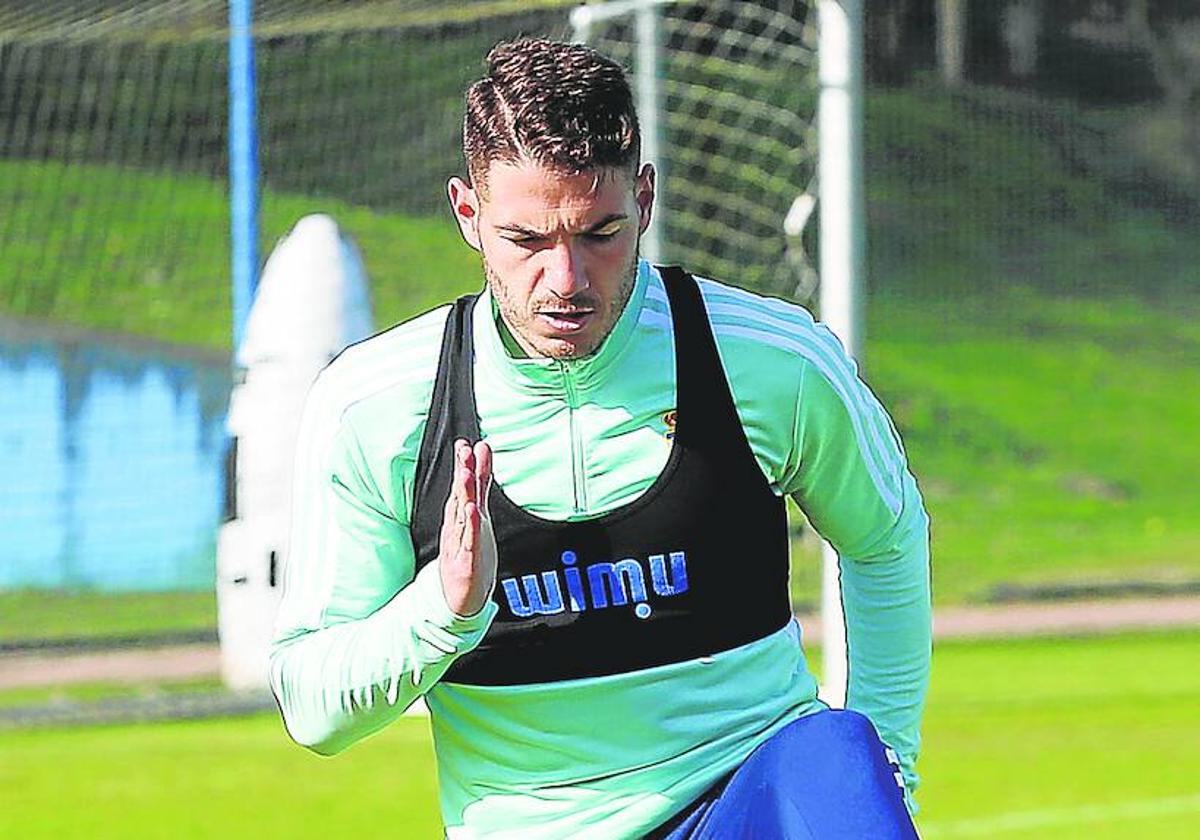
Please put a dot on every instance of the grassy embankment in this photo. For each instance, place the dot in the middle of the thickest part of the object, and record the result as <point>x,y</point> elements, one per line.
<point>1034,334</point>
<point>1034,330</point>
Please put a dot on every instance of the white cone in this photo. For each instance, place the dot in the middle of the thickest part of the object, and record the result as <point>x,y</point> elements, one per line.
<point>312,302</point>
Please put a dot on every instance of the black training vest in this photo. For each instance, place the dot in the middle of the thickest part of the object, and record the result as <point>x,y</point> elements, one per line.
<point>697,564</point>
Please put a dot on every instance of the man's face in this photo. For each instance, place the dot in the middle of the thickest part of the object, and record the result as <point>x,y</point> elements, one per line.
<point>559,251</point>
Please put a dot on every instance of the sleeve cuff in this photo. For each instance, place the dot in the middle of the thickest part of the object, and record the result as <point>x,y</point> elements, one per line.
<point>431,596</point>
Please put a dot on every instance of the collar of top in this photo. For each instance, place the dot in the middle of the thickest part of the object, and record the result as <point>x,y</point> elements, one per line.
<point>545,375</point>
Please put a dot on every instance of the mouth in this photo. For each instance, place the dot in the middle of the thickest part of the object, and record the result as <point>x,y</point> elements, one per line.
<point>565,321</point>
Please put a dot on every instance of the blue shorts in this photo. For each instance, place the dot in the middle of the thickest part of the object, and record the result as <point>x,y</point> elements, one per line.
<point>826,776</point>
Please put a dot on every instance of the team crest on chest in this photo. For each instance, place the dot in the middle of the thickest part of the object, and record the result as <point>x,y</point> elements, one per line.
<point>669,419</point>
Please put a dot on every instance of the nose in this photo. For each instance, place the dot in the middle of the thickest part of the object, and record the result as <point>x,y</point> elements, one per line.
<point>565,273</point>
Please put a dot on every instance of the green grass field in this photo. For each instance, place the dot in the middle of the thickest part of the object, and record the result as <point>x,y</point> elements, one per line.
<point>1053,436</point>
<point>27,614</point>
<point>1067,738</point>
<point>117,691</point>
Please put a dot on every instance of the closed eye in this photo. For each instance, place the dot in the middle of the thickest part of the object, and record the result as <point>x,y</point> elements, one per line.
<point>603,233</point>
<point>527,241</point>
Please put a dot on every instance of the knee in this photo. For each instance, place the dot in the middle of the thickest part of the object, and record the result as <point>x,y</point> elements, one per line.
<point>852,723</point>
<point>843,724</point>
<point>842,735</point>
<point>834,731</point>
<point>829,767</point>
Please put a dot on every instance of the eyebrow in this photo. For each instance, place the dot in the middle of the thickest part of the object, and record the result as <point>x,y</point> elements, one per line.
<point>600,225</point>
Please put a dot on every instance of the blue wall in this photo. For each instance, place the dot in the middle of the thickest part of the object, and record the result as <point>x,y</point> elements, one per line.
<point>111,460</point>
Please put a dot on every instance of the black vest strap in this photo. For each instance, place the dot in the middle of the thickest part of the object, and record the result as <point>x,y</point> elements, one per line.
<point>706,414</point>
<point>451,416</point>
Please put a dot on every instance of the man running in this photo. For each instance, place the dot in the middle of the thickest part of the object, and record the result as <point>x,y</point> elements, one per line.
<point>555,510</point>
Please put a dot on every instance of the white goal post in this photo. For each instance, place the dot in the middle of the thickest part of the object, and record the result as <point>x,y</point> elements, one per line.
<point>744,108</point>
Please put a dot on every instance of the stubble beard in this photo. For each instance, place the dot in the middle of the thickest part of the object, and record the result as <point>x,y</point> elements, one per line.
<point>520,316</point>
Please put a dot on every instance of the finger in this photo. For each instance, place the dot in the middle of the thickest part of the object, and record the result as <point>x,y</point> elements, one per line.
<point>464,458</point>
<point>461,449</point>
<point>450,513</point>
<point>464,477</point>
<point>463,493</point>
<point>470,490</point>
<point>470,531</point>
<point>468,455</point>
<point>483,474</point>
<point>466,555</point>
<point>487,553</point>
<point>460,478</point>
<point>469,486</point>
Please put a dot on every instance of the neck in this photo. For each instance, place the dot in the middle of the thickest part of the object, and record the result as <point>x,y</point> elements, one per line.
<point>514,345</point>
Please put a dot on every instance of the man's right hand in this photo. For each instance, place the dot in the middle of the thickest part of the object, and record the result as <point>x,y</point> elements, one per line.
<point>467,556</point>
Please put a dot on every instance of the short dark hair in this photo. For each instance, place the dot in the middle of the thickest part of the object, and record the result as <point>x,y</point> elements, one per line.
<point>564,107</point>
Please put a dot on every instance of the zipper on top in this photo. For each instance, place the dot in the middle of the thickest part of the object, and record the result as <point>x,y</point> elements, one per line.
<point>578,473</point>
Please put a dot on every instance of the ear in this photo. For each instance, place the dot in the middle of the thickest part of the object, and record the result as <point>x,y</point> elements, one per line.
<point>464,202</point>
<point>643,193</point>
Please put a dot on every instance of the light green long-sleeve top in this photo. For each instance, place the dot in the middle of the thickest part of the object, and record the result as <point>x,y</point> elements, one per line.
<point>360,635</point>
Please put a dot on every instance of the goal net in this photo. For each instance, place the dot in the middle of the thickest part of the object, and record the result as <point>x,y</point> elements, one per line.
<point>727,95</point>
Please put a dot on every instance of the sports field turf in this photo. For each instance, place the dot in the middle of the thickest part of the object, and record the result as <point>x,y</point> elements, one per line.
<point>1073,738</point>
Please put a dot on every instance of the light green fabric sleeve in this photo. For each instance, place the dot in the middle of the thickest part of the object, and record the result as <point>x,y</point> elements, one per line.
<point>849,475</point>
<point>822,437</point>
<point>359,637</point>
